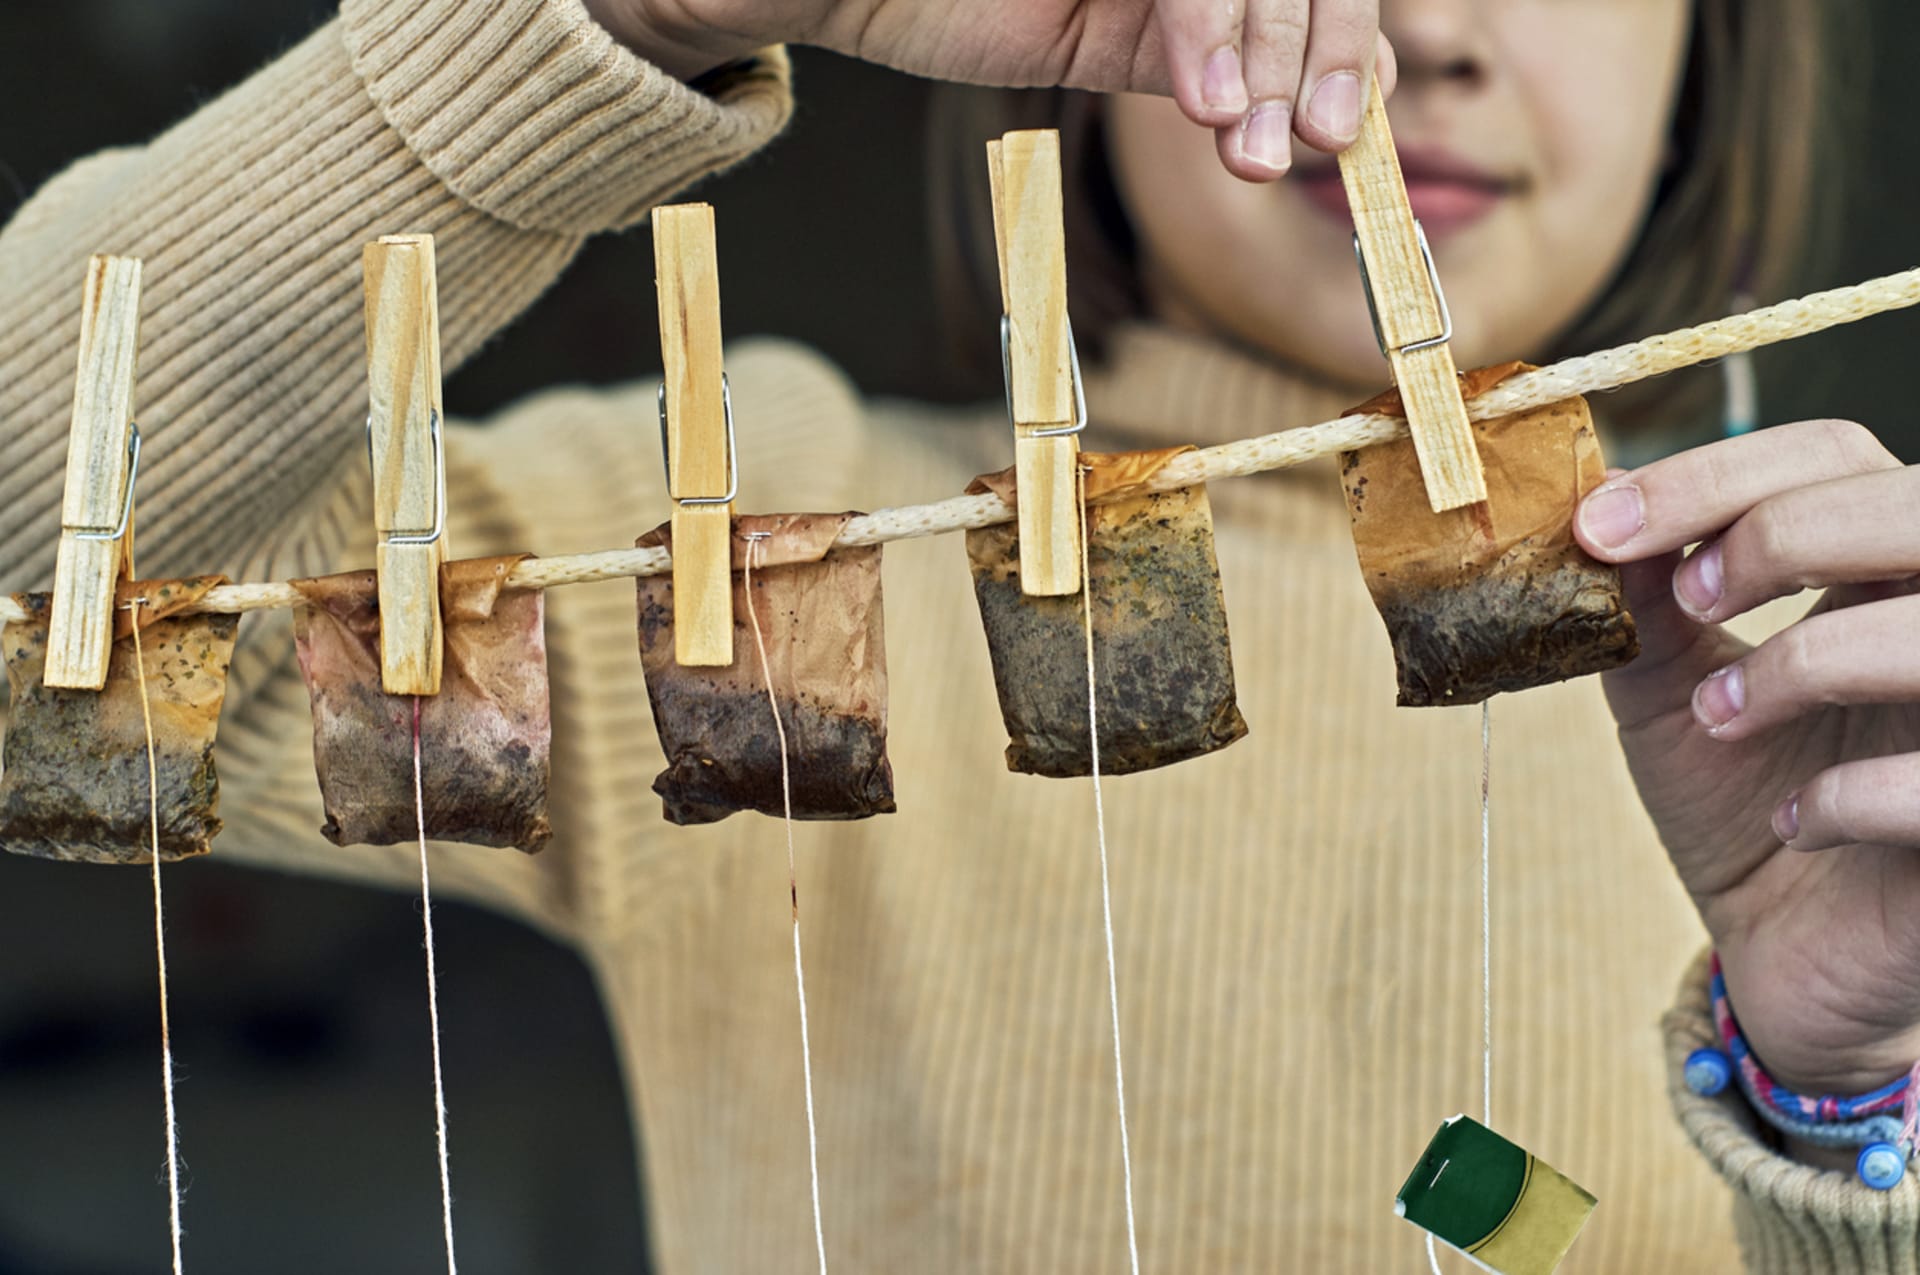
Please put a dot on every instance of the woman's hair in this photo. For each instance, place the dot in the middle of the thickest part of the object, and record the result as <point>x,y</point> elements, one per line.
<point>1744,206</point>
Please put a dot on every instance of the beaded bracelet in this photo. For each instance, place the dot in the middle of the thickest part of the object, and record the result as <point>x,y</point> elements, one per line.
<point>1881,1123</point>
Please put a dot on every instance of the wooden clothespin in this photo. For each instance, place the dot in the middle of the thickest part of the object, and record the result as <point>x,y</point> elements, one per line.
<point>1410,318</point>
<point>696,431</point>
<point>1044,395</point>
<point>406,440</point>
<point>103,457</point>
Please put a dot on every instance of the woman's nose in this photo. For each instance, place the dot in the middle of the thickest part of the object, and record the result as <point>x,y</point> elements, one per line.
<point>1436,39</point>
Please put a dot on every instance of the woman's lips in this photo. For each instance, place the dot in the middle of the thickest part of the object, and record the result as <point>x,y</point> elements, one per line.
<point>1446,194</point>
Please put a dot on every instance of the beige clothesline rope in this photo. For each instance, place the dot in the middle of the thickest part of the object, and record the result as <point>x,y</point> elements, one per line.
<point>1585,374</point>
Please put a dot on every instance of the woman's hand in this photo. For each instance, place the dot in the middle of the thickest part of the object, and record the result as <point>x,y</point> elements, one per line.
<point>1784,778</point>
<point>1255,71</point>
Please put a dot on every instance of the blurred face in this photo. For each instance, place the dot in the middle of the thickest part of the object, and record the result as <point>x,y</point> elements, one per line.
<point>1531,132</point>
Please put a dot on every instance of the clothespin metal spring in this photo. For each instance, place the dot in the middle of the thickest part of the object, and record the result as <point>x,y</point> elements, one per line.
<point>439,528</point>
<point>1079,422</point>
<point>126,507</point>
<point>733,467</point>
<point>1439,297</point>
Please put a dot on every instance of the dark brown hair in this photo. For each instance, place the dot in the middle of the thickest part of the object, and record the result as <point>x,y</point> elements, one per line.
<point>1746,203</point>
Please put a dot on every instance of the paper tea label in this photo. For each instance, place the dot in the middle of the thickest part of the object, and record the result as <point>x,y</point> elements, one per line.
<point>1506,1210</point>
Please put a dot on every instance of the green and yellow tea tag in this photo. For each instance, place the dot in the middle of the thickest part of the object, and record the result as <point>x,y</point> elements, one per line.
<point>1504,1209</point>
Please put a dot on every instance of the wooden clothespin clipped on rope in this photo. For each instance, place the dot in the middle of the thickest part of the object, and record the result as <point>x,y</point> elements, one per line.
<point>696,432</point>
<point>1410,318</point>
<point>103,457</point>
<point>406,441</point>
<point>1044,394</point>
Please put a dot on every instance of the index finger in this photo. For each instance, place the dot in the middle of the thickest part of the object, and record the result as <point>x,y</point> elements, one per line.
<point>1686,498</point>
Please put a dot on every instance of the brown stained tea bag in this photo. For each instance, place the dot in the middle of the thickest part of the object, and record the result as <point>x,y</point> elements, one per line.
<point>1162,661</point>
<point>485,739</point>
<point>819,612</point>
<point>1494,597</point>
<point>73,780</point>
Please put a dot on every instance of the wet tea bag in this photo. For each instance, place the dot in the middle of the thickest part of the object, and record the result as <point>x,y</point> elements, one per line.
<point>1504,1209</point>
<point>73,777</point>
<point>1498,596</point>
<point>1162,661</point>
<point>820,615</point>
<point>485,739</point>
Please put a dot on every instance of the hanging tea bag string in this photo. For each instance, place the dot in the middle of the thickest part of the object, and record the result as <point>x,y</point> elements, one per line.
<point>159,936</point>
<point>433,996</point>
<point>1106,891</point>
<point>1486,936</point>
<point>755,544</point>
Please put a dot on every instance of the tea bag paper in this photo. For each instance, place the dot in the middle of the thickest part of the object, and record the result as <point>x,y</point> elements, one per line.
<point>1497,596</point>
<point>485,740</point>
<point>820,614</point>
<point>1162,662</point>
<point>73,778</point>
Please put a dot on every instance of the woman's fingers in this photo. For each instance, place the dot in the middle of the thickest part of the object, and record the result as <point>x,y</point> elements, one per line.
<point>1689,497</point>
<point>1341,42</point>
<point>1875,802</point>
<point>1261,71</point>
<point>1260,146</point>
<point>1845,531</point>
<point>1203,52</point>
<point>1861,655</point>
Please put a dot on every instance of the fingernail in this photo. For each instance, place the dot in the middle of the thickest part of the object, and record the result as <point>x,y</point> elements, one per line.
<point>1786,820</point>
<point>1335,106</point>
<point>1267,136</point>
<point>1221,85</point>
<point>1720,697</point>
<point>1612,516</point>
<point>1700,581</point>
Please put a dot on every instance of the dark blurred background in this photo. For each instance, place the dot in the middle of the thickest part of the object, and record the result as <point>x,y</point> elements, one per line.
<point>298,1015</point>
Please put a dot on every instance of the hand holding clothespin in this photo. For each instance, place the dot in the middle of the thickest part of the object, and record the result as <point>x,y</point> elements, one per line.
<point>406,442</point>
<point>103,458</point>
<point>1410,318</point>
<point>1044,394</point>
<point>696,433</point>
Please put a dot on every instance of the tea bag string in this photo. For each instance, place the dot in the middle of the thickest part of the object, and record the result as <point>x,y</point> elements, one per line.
<point>1106,891</point>
<point>756,544</point>
<point>1486,935</point>
<point>159,934</point>
<point>433,996</point>
<point>1486,913</point>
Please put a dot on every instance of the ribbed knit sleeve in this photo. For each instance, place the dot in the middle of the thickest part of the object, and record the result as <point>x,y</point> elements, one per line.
<point>1791,1219</point>
<point>540,118</point>
<point>510,129</point>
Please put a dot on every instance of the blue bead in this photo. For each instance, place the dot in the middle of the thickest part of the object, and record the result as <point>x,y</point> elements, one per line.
<point>1881,1166</point>
<point>1708,1072</point>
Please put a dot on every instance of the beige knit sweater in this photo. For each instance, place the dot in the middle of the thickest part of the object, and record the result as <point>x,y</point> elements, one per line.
<point>1296,917</point>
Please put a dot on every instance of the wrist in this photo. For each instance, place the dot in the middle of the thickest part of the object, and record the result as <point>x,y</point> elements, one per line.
<point>1812,1037</point>
<point>1878,1128</point>
<point>683,51</point>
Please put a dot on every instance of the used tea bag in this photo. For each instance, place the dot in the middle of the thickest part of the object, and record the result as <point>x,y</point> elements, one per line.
<point>1161,656</point>
<point>1503,1208</point>
<point>820,615</point>
<point>73,779</point>
<point>1498,596</point>
<point>485,739</point>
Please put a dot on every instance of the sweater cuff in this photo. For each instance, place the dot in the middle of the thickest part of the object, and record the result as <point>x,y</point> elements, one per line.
<point>1791,1219</point>
<point>530,111</point>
